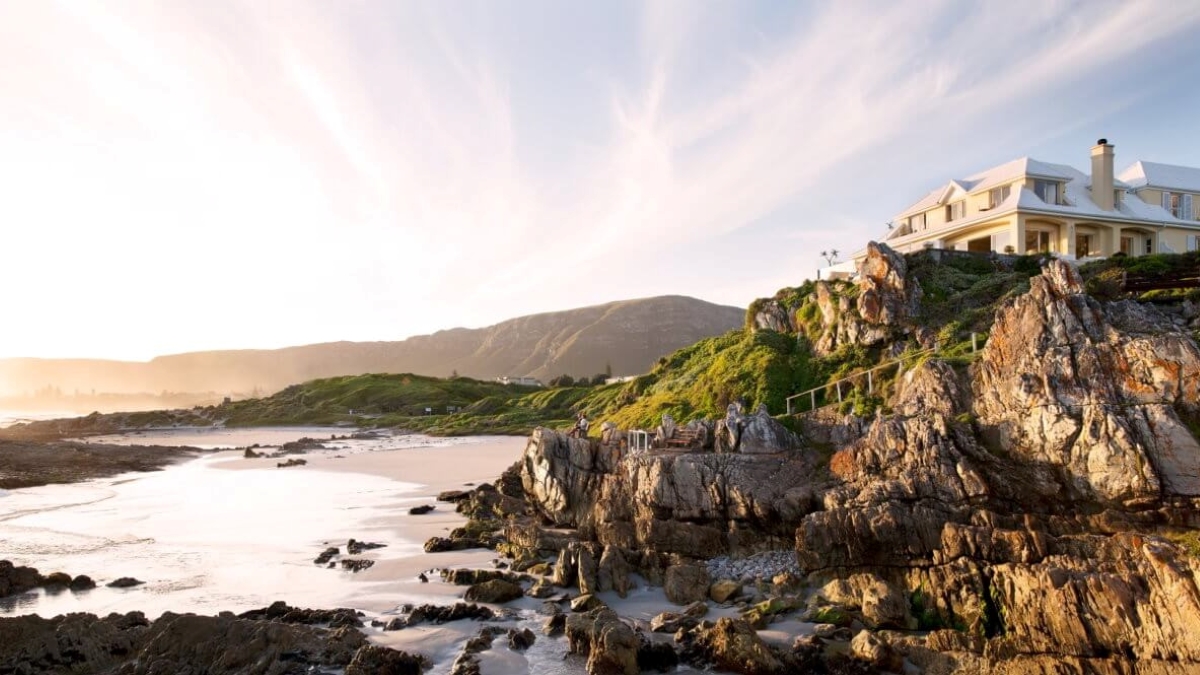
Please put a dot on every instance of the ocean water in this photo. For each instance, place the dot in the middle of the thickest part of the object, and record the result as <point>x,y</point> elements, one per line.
<point>207,539</point>
<point>11,417</point>
<point>204,538</point>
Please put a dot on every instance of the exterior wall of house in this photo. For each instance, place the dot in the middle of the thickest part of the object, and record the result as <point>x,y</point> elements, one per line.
<point>1002,233</point>
<point>1176,238</point>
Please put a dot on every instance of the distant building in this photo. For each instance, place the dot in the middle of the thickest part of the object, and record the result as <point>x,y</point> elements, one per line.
<point>1030,206</point>
<point>527,381</point>
<point>620,378</point>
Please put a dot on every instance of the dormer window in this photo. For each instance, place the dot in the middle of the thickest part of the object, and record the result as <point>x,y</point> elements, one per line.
<point>998,194</point>
<point>1046,190</point>
<point>956,210</point>
<point>1179,204</point>
<point>916,223</point>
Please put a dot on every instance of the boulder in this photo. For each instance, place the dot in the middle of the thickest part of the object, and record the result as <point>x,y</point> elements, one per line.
<point>672,622</point>
<point>724,590</point>
<point>495,591</point>
<point>686,583</point>
<point>613,572</point>
<point>586,603</point>
<point>82,583</point>
<point>377,660</point>
<point>125,582</point>
<point>731,644</point>
<point>868,647</point>
<point>16,579</point>
<point>520,640</point>
<point>611,646</point>
<point>457,612</point>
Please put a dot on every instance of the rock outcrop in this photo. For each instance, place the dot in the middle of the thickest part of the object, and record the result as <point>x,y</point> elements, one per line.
<point>1015,515</point>
<point>187,644</point>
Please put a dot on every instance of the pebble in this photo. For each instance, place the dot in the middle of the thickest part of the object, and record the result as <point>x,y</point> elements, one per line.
<point>761,565</point>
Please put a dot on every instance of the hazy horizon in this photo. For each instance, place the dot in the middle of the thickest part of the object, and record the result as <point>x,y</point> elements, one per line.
<point>204,176</point>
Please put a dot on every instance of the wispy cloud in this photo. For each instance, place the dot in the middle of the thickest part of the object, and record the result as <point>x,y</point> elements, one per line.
<point>417,166</point>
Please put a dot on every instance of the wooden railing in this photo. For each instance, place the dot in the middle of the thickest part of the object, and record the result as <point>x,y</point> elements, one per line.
<point>869,374</point>
<point>1156,281</point>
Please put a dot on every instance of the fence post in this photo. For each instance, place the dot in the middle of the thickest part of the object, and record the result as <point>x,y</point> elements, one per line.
<point>813,395</point>
<point>974,344</point>
<point>838,385</point>
<point>870,383</point>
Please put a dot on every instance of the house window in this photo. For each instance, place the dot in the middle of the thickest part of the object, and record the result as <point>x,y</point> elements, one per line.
<point>1046,190</point>
<point>1037,241</point>
<point>1084,247</point>
<point>1127,245</point>
<point>916,223</point>
<point>1179,204</point>
<point>956,210</point>
<point>998,195</point>
<point>1149,246</point>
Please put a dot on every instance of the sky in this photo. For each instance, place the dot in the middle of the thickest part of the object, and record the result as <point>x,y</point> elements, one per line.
<point>180,176</point>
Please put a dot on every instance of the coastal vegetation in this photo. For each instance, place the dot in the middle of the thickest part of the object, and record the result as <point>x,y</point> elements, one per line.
<point>753,365</point>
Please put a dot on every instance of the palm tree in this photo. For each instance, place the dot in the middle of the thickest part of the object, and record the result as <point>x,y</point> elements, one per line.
<point>830,256</point>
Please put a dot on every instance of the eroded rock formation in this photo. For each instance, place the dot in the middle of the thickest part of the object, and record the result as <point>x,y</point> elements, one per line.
<point>1018,511</point>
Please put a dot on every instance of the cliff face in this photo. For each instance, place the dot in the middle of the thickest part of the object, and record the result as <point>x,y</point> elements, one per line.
<point>1021,506</point>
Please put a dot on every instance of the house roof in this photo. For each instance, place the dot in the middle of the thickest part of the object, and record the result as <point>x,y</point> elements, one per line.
<point>985,180</point>
<point>1077,193</point>
<point>1169,176</point>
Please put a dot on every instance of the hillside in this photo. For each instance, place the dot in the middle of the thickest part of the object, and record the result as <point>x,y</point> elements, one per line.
<point>626,336</point>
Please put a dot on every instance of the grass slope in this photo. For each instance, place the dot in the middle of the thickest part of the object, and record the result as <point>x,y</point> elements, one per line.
<point>960,296</point>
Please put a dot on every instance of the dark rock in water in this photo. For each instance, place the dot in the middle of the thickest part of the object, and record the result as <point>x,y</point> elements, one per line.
<point>376,660</point>
<point>420,510</point>
<point>610,645</point>
<point>731,644</point>
<point>453,495</point>
<point>185,644</point>
<point>354,547</point>
<point>555,625</point>
<point>586,603</point>
<point>469,577</point>
<point>57,579</point>
<point>327,555</point>
<point>658,656</point>
<point>441,544</point>
<point>356,564</point>
<point>82,583</point>
<point>14,579</point>
<point>125,582</point>
<point>301,446</point>
<point>291,462</point>
<point>422,578</point>
<point>250,454</point>
<point>496,591</point>
<point>456,612</point>
<point>281,611</point>
<point>520,640</point>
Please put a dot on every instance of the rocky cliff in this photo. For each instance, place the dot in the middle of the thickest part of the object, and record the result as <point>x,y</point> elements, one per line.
<point>1025,509</point>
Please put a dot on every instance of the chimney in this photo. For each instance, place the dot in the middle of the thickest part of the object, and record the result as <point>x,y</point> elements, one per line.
<point>1102,174</point>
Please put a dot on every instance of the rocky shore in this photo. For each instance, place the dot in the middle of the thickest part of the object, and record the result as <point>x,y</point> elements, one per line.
<point>1033,511</point>
<point>1033,508</point>
<point>29,463</point>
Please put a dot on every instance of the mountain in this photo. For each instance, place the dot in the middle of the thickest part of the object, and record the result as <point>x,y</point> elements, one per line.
<point>626,336</point>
